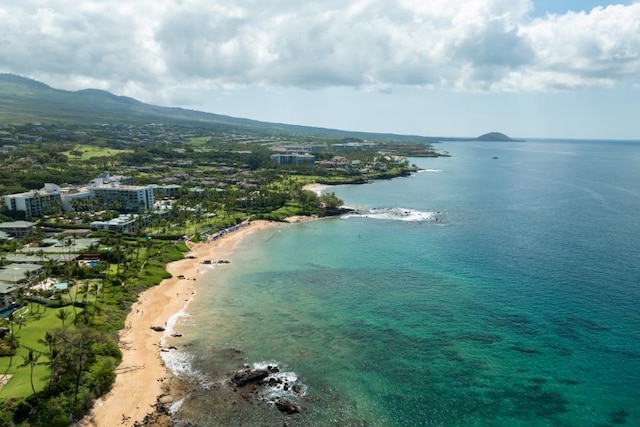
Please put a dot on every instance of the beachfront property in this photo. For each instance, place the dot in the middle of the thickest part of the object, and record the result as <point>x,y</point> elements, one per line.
<point>114,191</point>
<point>27,264</point>
<point>18,274</point>
<point>16,228</point>
<point>38,258</point>
<point>168,190</point>
<point>122,224</point>
<point>35,203</point>
<point>294,159</point>
<point>125,198</point>
<point>68,195</point>
<point>7,295</point>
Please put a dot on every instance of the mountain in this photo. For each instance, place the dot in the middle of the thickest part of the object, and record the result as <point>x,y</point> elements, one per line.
<point>494,136</point>
<point>24,100</point>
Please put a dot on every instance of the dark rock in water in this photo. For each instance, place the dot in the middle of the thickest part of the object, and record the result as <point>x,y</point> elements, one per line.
<point>274,382</point>
<point>176,335</point>
<point>241,379</point>
<point>252,376</point>
<point>619,416</point>
<point>296,389</point>
<point>286,406</point>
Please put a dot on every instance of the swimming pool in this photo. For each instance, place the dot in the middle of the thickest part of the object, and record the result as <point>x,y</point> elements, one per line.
<point>7,311</point>
<point>61,286</point>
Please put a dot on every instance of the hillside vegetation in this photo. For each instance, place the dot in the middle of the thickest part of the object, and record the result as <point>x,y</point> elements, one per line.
<point>24,100</point>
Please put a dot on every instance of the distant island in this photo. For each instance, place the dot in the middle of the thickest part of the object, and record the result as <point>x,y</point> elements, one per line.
<point>495,136</point>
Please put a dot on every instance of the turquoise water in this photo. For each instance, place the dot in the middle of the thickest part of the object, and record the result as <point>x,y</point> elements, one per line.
<point>479,291</point>
<point>61,286</point>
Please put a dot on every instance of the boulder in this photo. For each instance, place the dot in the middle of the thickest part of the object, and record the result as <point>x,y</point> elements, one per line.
<point>286,406</point>
<point>252,376</point>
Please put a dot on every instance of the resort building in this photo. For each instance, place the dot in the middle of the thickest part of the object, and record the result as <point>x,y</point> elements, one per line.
<point>35,203</point>
<point>12,278</point>
<point>125,198</point>
<point>19,274</point>
<point>122,224</point>
<point>67,196</point>
<point>116,192</point>
<point>16,228</point>
<point>7,295</point>
<point>170,191</point>
<point>294,159</point>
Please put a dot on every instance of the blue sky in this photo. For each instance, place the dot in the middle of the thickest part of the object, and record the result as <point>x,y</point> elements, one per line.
<point>542,7</point>
<point>528,68</point>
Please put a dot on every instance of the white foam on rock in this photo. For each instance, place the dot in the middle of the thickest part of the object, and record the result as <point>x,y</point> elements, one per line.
<point>394,214</point>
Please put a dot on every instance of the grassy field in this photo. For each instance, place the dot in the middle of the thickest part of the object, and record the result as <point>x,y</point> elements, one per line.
<point>90,152</point>
<point>198,141</point>
<point>37,322</point>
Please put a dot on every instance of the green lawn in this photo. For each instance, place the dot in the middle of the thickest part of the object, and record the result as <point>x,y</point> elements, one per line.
<point>90,152</point>
<point>198,140</point>
<point>37,322</point>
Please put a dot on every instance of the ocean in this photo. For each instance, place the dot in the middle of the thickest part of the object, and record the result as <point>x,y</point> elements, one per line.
<point>496,287</point>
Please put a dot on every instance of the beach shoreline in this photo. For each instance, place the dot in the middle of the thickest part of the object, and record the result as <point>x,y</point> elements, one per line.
<point>143,379</point>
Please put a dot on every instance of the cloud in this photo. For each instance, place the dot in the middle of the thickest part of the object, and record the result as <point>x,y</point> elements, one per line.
<point>587,49</point>
<point>136,48</point>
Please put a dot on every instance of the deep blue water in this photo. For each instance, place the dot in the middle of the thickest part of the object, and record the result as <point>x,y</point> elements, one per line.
<point>480,291</point>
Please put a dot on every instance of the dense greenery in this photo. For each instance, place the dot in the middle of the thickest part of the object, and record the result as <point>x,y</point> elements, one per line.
<point>61,347</point>
<point>65,347</point>
<point>24,101</point>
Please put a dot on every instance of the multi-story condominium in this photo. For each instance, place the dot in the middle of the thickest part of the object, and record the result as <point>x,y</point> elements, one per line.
<point>68,195</point>
<point>34,203</point>
<point>106,189</point>
<point>124,198</point>
<point>294,159</point>
<point>167,190</point>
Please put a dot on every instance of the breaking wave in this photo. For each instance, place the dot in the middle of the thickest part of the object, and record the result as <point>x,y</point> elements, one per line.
<point>281,384</point>
<point>395,214</point>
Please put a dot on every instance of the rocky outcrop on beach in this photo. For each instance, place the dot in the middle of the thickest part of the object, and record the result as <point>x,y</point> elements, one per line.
<point>256,380</point>
<point>252,376</point>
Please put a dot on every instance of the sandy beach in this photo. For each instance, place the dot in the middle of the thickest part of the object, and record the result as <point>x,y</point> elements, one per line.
<point>142,376</point>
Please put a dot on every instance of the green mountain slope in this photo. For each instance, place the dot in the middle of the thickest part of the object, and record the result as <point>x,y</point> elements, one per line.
<point>24,100</point>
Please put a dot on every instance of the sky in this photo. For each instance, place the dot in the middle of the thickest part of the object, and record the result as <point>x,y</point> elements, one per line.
<point>527,68</point>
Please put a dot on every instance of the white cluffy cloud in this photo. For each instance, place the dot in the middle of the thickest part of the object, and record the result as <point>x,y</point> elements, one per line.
<point>153,49</point>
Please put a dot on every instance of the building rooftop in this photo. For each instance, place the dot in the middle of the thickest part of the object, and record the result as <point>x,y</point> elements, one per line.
<point>17,224</point>
<point>14,273</point>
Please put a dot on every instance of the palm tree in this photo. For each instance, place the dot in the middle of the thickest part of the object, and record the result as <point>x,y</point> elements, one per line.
<point>71,283</point>
<point>50,341</point>
<point>31,360</point>
<point>62,315</point>
<point>20,321</point>
<point>82,290</point>
<point>12,342</point>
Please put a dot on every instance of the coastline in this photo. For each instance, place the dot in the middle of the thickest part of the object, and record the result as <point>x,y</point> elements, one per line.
<point>142,378</point>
